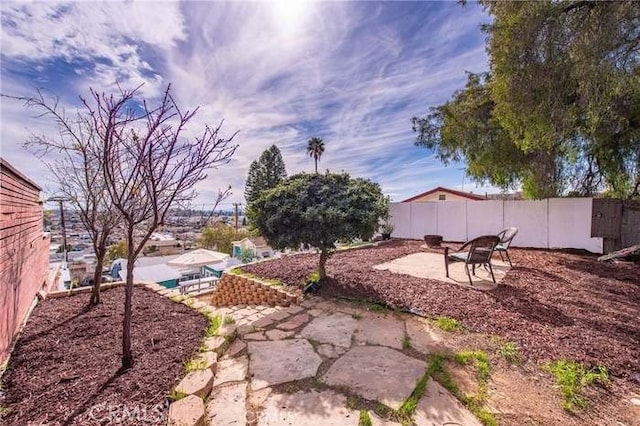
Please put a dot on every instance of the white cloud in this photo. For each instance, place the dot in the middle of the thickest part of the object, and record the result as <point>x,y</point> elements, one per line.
<point>351,73</point>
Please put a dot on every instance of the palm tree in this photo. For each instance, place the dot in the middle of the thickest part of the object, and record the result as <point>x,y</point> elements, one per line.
<point>315,149</point>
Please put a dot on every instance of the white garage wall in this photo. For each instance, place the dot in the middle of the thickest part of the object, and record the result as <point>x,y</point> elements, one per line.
<point>551,223</point>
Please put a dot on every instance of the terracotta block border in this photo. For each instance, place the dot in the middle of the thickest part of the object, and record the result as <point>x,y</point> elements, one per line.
<point>233,290</point>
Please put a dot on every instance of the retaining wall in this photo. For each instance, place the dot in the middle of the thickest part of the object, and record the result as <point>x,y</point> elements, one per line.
<point>234,290</point>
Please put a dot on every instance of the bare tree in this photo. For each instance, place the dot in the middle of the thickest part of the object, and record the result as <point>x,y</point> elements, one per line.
<point>73,159</point>
<point>149,166</point>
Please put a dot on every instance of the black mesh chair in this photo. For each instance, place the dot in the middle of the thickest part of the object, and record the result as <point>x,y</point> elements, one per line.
<point>475,252</point>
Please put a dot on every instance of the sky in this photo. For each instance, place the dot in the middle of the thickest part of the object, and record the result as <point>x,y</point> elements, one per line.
<point>351,73</point>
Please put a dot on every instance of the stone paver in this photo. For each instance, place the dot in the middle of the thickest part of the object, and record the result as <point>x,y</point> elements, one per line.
<point>210,360</point>
<point>325,408</point>
<point>381,331</point>
<point>281,361</point>
<point>378,421</point>
<point>227,406</point>
<point>438,407</point>
<point>214,343</point>
<point>422,336</point>
<point>278,334</point>
<point>244,329</point>
<point>255,336</point>
<point>262,322</point>
<point>197,382</point>
<point>315,312</point>
<point>188,411</point>
<point>390,375</point>
<point>253,318</point>
<point>236,348</point>
<point>335,329</point>
<point>278,316</point>
<point>309,303</point>
<point>330,351</point>
<point>295,310</point>
<point>294,322</point>
<point>231,370</point>
<point>227,330</point>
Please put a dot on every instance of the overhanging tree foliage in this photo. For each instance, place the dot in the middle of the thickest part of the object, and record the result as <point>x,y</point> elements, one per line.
<point>264,173</point>
<point>318,210</point>
<point>564,89</point>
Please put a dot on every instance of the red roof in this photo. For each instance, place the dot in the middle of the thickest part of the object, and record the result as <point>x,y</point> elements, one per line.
<point>450,191</point>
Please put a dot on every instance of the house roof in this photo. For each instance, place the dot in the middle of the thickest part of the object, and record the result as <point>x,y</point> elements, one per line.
<point>155,273</point>
<point>450,191</point>
<point>4,164</point>
<point>256,241</point>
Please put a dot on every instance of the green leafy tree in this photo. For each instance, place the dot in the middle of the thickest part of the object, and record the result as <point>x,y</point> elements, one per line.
<point>567,78</point>
<point>561,102</point>
<point>465,128</point>
<point>315,149</point>
<point>247,255</point>
<point>62,247</point>
<point>220,237</point>
<point>265,173</point>
<point>318,210</point>
<point>116,251</point>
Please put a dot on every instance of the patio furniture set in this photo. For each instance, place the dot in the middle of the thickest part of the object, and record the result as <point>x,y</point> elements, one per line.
<point>479,252</point>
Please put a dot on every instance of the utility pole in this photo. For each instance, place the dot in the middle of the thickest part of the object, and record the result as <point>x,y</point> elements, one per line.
<point>61,200</point>
<point>236,207</point>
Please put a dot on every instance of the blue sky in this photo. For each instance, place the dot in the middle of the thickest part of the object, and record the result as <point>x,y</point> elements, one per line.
<point>352,73</point>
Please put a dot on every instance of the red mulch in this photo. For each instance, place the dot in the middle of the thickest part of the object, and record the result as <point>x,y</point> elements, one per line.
<point>64,369</point>
<point>552,304</point>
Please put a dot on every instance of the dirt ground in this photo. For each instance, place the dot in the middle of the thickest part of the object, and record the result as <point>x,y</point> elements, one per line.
<point>552,304</point>
<point>65,366</point>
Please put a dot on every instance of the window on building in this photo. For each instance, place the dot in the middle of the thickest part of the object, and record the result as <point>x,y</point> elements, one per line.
<point>442,197</point>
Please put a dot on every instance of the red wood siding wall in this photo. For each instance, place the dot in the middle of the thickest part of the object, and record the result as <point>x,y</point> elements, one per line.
<point>24,251</point>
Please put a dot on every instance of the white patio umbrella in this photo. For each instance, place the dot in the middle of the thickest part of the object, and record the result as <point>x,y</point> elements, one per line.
<point>196,258</point>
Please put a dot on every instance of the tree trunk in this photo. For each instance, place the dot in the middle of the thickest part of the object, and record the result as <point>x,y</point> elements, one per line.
<point>316,160</point>
<point>97,280</point>
<point>322,271</point>
<point>127,356</point>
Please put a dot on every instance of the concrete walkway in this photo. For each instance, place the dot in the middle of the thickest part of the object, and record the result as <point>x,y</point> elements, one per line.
<point>306,363</point>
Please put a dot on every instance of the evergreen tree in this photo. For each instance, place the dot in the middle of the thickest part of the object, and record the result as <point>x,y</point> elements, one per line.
<point>264,173</point>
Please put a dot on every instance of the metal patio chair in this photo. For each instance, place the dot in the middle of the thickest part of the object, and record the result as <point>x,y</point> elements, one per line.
<point>506,236</point>
<point>475,252</point>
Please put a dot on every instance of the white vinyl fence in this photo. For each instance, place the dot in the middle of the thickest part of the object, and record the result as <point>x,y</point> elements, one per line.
<point>549,223</point>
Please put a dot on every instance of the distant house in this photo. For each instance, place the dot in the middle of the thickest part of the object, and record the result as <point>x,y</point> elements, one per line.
<point>257,244</point>
<point>162,245</point>
<point>444,194</point>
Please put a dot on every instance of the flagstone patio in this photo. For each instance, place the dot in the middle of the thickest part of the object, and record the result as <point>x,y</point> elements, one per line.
<point>306,362</point>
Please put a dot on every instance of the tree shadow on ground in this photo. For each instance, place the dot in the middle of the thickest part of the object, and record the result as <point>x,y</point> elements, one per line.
<point>628,271</point>
<point>524,303</point>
